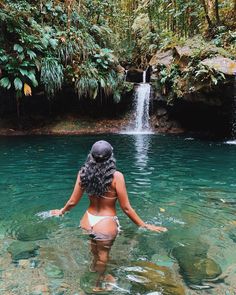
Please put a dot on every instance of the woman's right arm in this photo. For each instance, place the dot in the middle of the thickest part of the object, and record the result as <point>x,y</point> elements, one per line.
<point>127,208</point>
<point>73,200</point>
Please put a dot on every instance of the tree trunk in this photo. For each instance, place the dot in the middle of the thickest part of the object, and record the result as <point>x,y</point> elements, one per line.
<point>211,8</point>
<point>217,12</point>
<point>173,24</point>
<point>206,14</point>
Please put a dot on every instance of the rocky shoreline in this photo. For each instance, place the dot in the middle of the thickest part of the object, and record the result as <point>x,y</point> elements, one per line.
<point>77,126</point>
<point>66,126</point>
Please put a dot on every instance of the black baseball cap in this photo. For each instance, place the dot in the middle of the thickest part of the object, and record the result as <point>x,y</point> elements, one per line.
<point>101,151</point>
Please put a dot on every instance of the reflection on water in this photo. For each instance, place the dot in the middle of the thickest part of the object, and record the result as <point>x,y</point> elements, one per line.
<point>185,185</point>
<point>141,142</point>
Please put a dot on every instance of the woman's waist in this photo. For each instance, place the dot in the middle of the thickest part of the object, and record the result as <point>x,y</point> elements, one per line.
<point>101,212</point>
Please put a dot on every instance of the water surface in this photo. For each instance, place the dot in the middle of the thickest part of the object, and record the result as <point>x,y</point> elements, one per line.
<point>184,184</point>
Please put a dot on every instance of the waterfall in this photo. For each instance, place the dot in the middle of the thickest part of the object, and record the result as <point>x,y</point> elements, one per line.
<point>126,72</point>
<point>140,123</point>
<point>141,101</point>
<point>144,76</point>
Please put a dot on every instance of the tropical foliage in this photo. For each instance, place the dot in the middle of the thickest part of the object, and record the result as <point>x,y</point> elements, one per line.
<point>47,44</point>
<point>50,43</point>
<point>163,24</point>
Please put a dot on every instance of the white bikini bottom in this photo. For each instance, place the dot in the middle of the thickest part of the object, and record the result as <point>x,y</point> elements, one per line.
<point>94,219</point>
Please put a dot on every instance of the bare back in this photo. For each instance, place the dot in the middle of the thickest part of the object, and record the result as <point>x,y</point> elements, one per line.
<point>104,205</point>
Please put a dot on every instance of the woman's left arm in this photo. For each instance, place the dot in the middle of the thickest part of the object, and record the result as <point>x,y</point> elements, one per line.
<point>73,200</point>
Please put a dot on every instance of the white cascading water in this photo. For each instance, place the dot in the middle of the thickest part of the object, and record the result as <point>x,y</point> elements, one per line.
<point>126,72</point>
<point>144,76</point>
<point>142,98</point>
<point>141,109</point>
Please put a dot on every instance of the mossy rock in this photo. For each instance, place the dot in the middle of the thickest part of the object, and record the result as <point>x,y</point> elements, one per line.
<point>195,266</point>
<point>22,250</point>
<point>149,277</point>
<point>31,232</point>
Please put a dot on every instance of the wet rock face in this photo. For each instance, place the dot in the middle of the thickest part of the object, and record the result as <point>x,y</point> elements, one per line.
<point>136,75</point>
<point>22,250</point>
<point>163,124</point>
<point>196,268</point>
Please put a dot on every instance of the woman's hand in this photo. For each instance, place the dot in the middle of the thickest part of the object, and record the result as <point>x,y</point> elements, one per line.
<point>56,212</point>
<point>155,228</point>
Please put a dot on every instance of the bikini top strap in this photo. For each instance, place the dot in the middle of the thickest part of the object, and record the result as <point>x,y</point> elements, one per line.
<point>112,198</point>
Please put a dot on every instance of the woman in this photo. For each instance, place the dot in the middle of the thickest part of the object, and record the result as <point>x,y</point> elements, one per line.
<point>104,186</point>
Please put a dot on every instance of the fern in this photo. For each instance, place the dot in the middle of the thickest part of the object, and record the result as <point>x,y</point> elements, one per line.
<point>51,75</point>
<point>87,87</point>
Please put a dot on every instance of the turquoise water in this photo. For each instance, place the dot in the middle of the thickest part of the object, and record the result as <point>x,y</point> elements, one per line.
<point>182,183</point>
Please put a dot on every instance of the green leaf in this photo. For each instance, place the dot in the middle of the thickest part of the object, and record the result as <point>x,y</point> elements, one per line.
<point>44,41</point>
<point>18,84</point>
<point>33,79</point>
<point>4,58</point>
<point>18,48</point>
<point>103,84</point>
<point>38,64</point>
<point>5,83</point>
<point>53,43</point>
<point>21,56</point>
<point>214,80</point>
<point>95,93</point>
<point>23,72</point>
<point>222,75</point>
<point>31,54</point>
<point>116,96</point>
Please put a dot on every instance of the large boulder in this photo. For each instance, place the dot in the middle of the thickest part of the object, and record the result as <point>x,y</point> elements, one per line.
<point>196,267</point>
<point>162,58</point>
<point>221,64</point>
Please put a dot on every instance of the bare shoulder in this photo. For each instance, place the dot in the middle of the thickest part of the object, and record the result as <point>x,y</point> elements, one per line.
<point>117,178</point>
<point>118,175</point>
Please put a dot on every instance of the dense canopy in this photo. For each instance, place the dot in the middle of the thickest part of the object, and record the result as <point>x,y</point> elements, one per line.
<point>86,44</point>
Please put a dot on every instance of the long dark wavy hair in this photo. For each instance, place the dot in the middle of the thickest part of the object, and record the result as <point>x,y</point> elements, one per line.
<point>96,177</point>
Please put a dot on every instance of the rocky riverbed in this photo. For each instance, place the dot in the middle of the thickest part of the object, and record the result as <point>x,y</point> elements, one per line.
<point>60,265</point>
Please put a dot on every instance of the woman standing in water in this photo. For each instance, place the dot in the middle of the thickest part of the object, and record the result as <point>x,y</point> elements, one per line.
<point>104,186</point>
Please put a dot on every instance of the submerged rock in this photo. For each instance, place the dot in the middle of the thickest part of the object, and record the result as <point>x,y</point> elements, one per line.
<point>53,271</point>
<point>195,266</point>
<point>31,232</point>
<point>149,277</point>
<point>22,250</point>
<point>162,260</point>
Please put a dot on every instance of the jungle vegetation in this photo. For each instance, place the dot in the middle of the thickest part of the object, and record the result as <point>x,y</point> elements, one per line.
<point>47,44</point>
